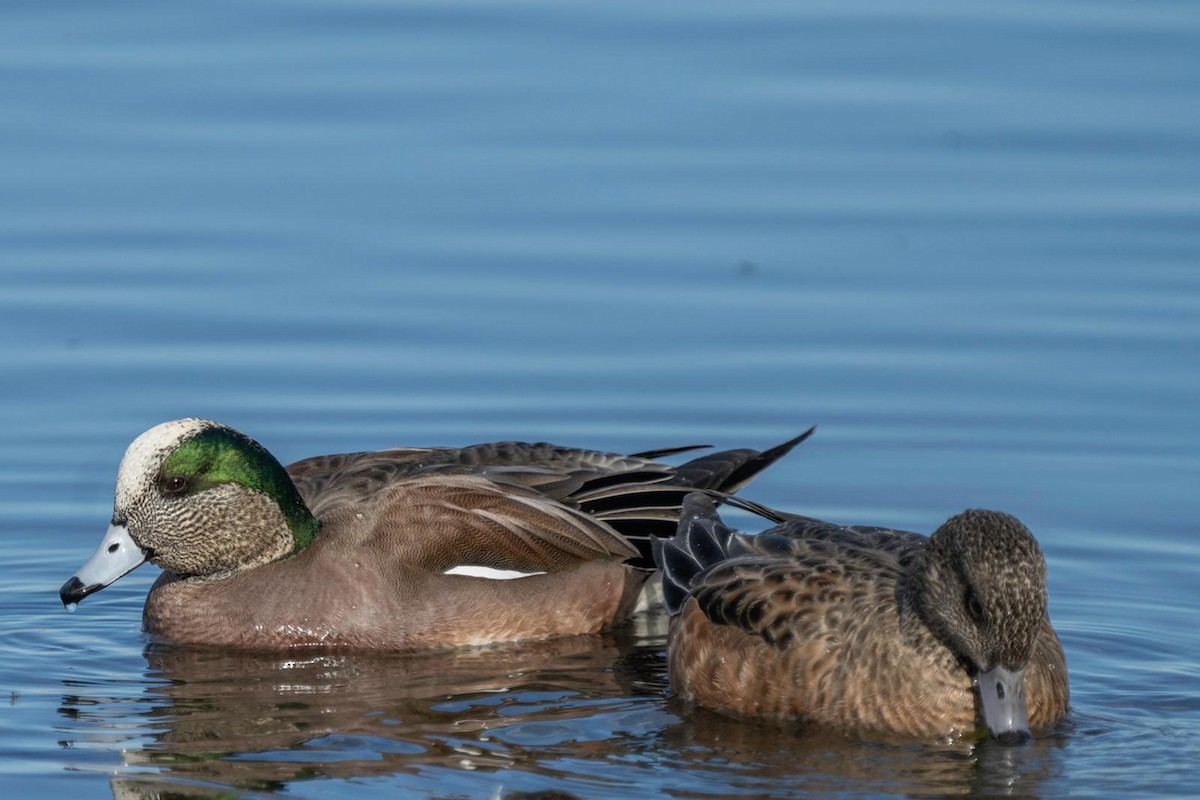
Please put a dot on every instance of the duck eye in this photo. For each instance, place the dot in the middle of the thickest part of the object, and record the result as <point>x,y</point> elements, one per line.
<point>974,607</point>
<point>174,485</point>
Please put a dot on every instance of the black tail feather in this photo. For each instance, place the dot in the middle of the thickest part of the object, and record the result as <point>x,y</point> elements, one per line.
<point>642,506</point>
<point>766,512</point>
<point>730,470</point>
<point>744,473</point>
<point>669,451</point>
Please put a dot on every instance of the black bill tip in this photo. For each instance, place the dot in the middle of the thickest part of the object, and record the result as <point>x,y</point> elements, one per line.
<point>1013,738</point>
<point>74,590</point>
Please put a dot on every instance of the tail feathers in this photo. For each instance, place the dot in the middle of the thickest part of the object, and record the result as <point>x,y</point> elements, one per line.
<point>730,470</point>
<point>700,541</point>
<point>669,451</point>
<point>746,472</point>
<point>645,504</point>
<point>766,512</point>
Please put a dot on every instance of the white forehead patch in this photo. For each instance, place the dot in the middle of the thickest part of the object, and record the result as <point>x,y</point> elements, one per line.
<point>146,453</point>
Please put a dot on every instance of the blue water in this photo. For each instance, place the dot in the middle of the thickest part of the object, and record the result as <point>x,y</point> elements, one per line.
<point>961,238</point>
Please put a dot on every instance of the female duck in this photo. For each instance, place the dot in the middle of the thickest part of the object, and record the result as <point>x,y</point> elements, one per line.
<point>867,629</point>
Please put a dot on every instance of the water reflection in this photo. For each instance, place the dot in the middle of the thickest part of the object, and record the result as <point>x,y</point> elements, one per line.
<point>258,722</point>
<point>591,708</point>
<point>753,757</point>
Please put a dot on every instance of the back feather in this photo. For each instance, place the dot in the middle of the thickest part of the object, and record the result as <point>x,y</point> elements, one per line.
<point>700,541</point>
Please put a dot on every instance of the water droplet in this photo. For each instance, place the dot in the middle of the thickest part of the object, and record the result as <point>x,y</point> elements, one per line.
<point>70,607</point>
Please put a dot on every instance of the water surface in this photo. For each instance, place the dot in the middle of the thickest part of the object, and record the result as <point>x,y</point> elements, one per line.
<point>962,239</point>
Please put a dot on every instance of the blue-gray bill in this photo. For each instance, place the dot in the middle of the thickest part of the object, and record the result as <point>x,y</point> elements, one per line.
<point>1002,698</point>
<point>117,555</point>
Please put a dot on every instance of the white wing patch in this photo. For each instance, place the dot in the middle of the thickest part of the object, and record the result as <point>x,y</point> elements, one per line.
<point>473,571</point>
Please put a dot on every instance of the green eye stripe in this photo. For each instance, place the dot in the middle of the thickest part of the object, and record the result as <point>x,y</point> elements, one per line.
<point>221,455</point>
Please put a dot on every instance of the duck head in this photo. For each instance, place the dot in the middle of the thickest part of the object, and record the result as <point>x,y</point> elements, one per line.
<point>982,590</point>
<point>198,499</point>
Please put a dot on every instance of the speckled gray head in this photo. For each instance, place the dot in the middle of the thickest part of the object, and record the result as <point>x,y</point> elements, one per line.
<point>197,498</point>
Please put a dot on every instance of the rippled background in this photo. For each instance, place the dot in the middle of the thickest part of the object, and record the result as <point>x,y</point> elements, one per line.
<point>962,238</point>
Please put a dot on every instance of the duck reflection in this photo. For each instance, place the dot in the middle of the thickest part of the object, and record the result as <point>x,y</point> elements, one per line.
<point>476,722</point>
<point>820,760</point>
<point>259,722</point>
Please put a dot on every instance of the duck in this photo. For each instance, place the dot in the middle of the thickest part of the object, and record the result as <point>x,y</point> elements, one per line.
<point>875,632</point>
<point>406,548</point>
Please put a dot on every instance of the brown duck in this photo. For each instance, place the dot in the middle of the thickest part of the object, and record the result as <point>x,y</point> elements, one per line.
<point>871,630</point>
<point>390,550</point>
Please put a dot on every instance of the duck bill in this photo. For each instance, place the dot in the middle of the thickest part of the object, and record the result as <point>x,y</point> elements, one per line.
<point>117,555</point>
<point>1002,700</point>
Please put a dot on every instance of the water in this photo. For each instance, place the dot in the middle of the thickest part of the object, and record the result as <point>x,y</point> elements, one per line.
<point>962,239</point>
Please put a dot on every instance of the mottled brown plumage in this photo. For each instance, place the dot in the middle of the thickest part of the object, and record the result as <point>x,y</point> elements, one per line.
<point>246,567</point>
<point>867,629</point>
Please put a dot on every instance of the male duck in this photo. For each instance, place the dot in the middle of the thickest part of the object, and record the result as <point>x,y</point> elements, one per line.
<point>389,550</point>
<point>867,629</point>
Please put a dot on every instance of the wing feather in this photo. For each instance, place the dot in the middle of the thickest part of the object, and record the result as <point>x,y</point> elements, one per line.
<point>444,522</point>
